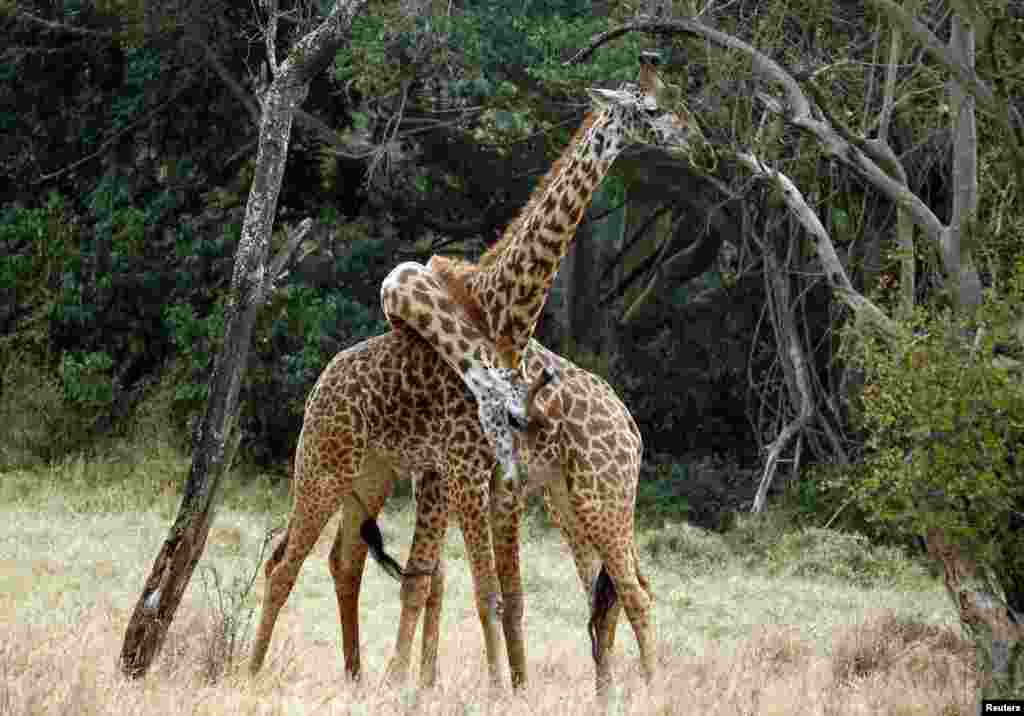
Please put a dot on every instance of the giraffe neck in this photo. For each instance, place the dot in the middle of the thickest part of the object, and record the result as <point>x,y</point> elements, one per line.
<point>515,276</point>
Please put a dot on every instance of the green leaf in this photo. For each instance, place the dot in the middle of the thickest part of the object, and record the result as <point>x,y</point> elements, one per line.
<point>840,219</point>
<point>360,120</point>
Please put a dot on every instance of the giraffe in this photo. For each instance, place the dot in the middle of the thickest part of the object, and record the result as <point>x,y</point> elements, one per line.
<point>390,407</point>
<point>479,319</point>
<point>481,316</point>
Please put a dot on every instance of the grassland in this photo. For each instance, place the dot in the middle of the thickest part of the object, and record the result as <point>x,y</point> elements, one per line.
<point>757,633</point>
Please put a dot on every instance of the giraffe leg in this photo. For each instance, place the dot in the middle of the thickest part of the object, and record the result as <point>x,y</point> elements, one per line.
<point>588,567</point>
<point>348,554</point>
<point>424,555</point>
<point>347,562</point>
<point>506,514</point>
<point>476,533</point>
<point>620,561</point>
<point>432,628</point>
<point>307,521</point>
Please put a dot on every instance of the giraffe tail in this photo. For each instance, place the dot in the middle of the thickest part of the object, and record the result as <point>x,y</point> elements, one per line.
<point>603,599</point>
<point>374,540</point>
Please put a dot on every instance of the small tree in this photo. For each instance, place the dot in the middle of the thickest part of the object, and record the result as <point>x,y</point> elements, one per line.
<point>218,434</point>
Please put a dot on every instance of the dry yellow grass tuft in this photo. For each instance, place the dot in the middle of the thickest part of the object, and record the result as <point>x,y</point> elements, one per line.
<point>735,641</point>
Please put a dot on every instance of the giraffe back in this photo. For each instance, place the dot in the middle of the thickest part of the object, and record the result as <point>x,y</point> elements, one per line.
<point>395,396</point>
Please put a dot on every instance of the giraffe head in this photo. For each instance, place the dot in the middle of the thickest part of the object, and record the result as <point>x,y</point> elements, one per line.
<point>506,405</point>
<point>645,112</point>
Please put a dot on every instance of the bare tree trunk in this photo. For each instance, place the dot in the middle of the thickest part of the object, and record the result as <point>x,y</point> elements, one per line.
<point>252,280</point>
<point>794,363</point>
<point>958,238</point>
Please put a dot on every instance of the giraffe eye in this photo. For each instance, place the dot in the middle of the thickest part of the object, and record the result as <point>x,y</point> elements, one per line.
<point>517,421</point>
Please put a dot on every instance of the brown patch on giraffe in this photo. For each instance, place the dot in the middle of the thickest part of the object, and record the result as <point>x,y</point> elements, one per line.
<point>528,297</point>
<point>566,204</point>
<point>422,295</point>
<point>553,225</point>
<point>454,274</point>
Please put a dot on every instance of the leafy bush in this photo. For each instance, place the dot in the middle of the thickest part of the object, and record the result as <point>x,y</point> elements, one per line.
<point>34,245</point>
<point>86,379</point>
<point>44,417</point>
<point>686,548</point>
<point>196,340</point>
<point>816,552</point>
<point>944,418</point>
<point>660,500</point>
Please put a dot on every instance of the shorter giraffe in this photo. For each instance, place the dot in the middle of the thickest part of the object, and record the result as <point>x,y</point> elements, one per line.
<point>390,407</point>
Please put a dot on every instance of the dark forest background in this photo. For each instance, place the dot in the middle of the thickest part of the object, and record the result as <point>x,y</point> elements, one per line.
<point>127,143</point>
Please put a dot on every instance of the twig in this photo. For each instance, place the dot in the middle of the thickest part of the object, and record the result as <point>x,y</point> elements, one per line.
<point>113,138</point>
<point>63,27</point>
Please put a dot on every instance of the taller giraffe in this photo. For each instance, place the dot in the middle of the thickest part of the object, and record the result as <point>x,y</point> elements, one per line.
<point>480,317</point>
<point>339,449</point>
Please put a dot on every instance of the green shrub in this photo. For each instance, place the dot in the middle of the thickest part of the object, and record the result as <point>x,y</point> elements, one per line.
<point>45,417</point>
<point>944,419</point>
<point>196,340</point>
<point>35,246</point>
<point>660,500</point>
<point>814,552</point>
<point>686,548</point>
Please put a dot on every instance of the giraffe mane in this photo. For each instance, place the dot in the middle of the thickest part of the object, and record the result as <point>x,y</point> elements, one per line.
<point>453,272</point>
<point>492,254</point>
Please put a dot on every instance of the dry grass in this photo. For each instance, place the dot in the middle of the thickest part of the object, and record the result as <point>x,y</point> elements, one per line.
<point>731,641</point>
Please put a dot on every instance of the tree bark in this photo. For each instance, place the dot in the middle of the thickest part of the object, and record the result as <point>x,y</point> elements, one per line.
<point>997,630</point>
<point>252,280</point>
<point>958,238</point>
<point>795,367</point>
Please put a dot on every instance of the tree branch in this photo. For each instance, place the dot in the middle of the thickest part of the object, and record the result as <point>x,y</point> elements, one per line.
<point>279,264</point>
<point>797,112</point>
<point>113,138</point>
<point>270,34</point>
<point>63,27</point>
<point>834,271</point>
<point>1003,112</point>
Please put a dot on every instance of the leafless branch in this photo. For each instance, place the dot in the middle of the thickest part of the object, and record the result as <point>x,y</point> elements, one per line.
<point>834,271</point>
<point>270,34</point>
<point>278,268</point>
<point>1004,112</point>
<point>114,137</point>
<point>861,155</point>
<point>64,27</point>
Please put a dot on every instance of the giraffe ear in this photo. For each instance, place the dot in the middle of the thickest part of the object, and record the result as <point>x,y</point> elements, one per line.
<point>605,98</point>
<point>601,97</point>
